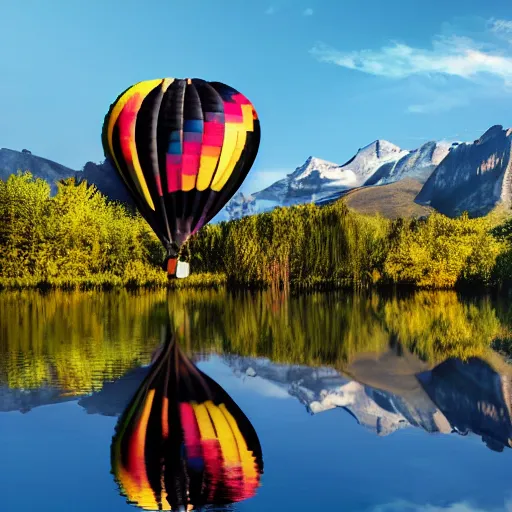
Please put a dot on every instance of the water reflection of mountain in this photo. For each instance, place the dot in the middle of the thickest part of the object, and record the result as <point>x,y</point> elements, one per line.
<point>24,400</point>
<point>80,343</point>
<point>374,406</point>
<point>474,398</point>
<point>383,393</point>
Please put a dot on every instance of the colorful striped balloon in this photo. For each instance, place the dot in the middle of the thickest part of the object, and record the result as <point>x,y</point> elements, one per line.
<point>183,442</point>
<point>183,147</point>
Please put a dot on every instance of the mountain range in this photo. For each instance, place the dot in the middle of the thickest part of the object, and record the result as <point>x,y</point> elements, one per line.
<point>450,177</point>
<point>376,164</point>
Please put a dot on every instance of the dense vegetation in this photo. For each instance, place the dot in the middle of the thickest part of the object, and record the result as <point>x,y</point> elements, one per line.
<point>309,246</point>
<point>78,238</point>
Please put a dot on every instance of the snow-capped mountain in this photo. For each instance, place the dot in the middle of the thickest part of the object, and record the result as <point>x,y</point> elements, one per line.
<point>317,178</point>
<point>369,159</point>
<point>450,177</point>
<point>418,164</point>
<point>320,181</point>
<point>311,179</point>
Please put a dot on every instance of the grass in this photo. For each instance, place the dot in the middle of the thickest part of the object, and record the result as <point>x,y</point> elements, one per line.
<point>109,282</point>
<point>391,201</point>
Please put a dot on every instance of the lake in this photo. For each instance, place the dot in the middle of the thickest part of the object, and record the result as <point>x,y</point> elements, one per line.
<point>360,402</point>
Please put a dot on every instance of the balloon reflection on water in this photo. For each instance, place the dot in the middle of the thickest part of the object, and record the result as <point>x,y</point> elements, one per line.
<point>182,442</point>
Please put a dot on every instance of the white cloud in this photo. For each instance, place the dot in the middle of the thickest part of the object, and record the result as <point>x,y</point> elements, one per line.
<point>451,56</point>
<point>308,12</point>
<point>453,71</point>
<point>270,10</point>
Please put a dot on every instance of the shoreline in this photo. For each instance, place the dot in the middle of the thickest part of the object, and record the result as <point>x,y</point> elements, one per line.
<point>101,282</point>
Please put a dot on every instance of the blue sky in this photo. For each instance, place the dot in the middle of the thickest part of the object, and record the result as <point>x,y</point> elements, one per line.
<point>326,76</point>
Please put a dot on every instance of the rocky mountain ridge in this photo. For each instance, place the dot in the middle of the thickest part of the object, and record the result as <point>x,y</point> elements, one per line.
<point>452,177</point>
<point>321,182</point>
<point>473,177</point>
<point>12,161</point>
<point>317,178</point>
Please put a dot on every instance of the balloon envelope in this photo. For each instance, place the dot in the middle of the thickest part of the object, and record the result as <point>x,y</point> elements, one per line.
<point>183,147</point>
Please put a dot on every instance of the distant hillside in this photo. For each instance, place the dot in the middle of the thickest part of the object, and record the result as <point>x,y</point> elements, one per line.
<point>102,175</point>
<point>11,161</point>
<point>106,179</point>
<point>391,201</point>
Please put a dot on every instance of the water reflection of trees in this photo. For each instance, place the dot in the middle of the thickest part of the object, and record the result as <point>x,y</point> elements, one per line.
<point>330,329</point>
<point>77,340</point>
<point>73,340</point>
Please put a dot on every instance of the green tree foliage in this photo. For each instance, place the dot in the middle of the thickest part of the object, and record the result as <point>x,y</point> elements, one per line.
<point>308,246</point>
<point>440,251</point>
<point>78,237</point>
<point>75,340</point>
<point>75,235</point>
<point>25,208</point>
<point>302,246</point>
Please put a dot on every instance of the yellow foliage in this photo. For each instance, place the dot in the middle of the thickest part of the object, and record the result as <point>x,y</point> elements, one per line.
<point>78,340</point>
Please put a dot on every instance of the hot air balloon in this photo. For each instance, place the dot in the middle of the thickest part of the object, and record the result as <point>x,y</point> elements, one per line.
<point>183,442</point>
<point>183,147</point>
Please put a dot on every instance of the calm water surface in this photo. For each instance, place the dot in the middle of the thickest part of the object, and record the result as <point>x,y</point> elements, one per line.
<point>360,402</point>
